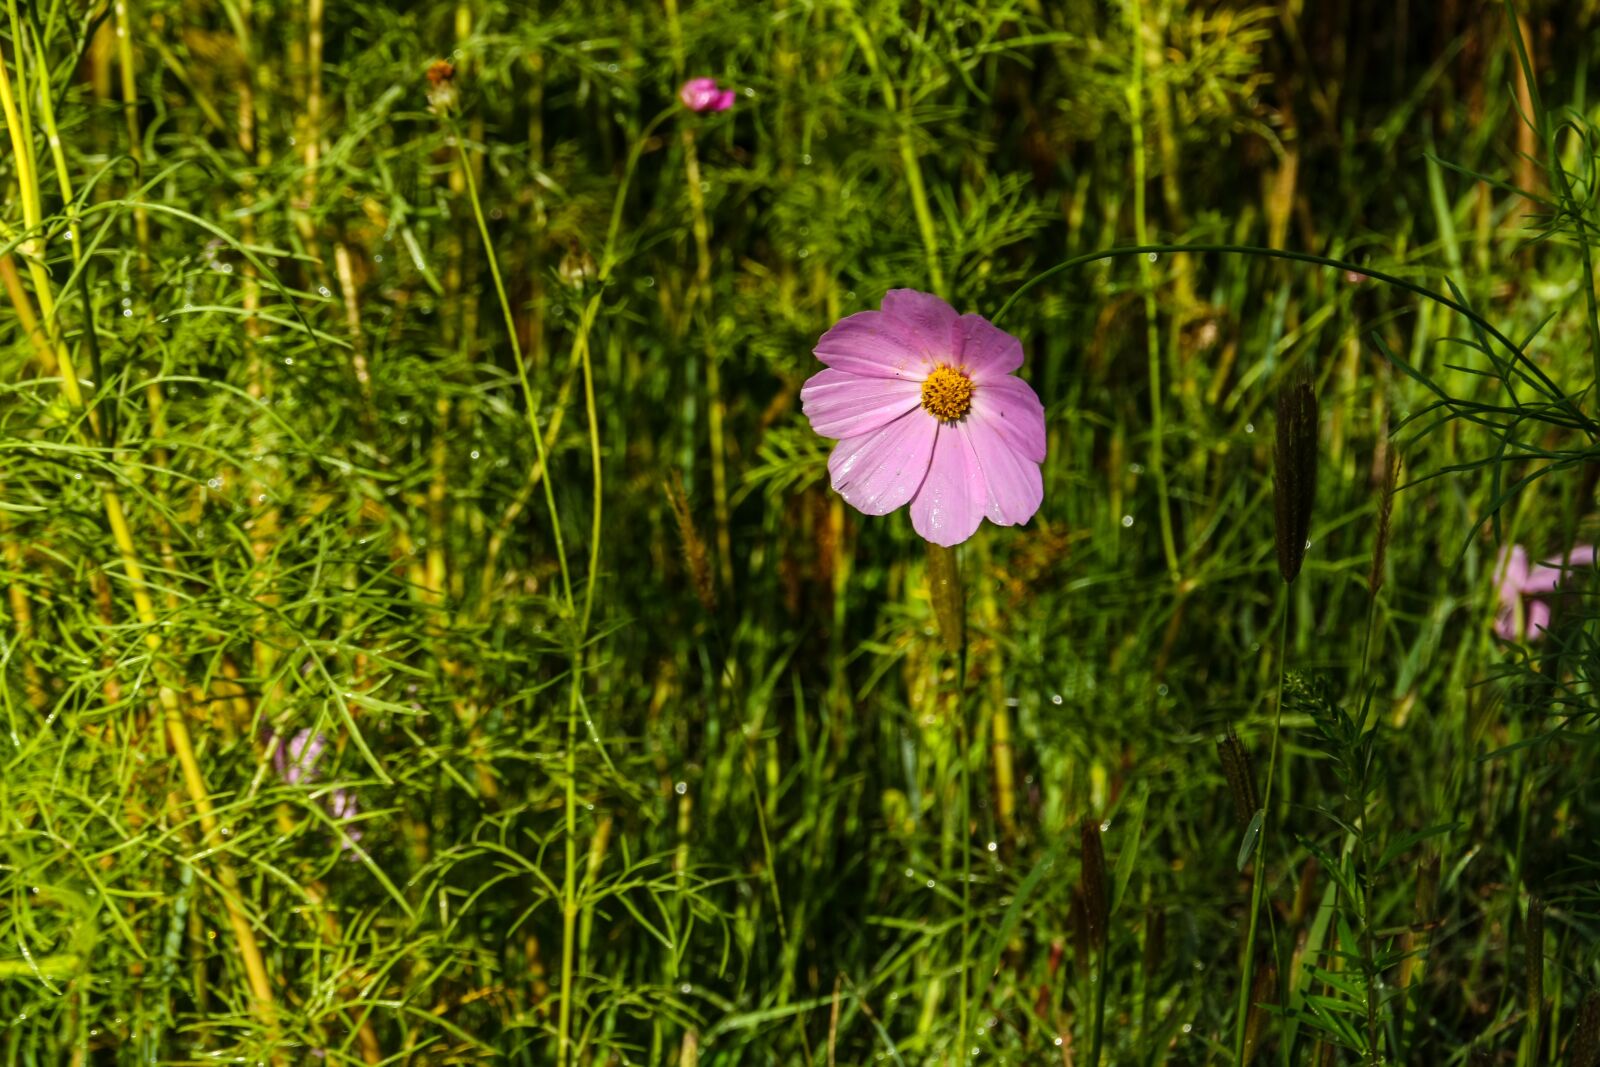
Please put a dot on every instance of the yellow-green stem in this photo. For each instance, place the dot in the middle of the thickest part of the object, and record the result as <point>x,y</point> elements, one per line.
<point>144,609</point>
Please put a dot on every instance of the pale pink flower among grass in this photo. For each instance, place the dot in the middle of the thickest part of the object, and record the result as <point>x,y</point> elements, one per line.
<point>1524,614</point>
<point>929,412</point>
<point>703,94</point>
<point>296,760</point>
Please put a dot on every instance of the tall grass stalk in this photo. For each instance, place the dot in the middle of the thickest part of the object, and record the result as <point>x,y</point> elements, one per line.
<point>173,710</point>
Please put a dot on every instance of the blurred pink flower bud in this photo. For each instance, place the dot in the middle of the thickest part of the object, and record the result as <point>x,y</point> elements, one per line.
<point>702,95</point>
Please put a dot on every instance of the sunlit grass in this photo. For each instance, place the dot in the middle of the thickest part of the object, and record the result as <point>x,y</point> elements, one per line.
<point>463,431</point>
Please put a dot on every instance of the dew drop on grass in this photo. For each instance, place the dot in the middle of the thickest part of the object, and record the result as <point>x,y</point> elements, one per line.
<point>1152,257</point>
<point>681,788</point>
<point>994,846</point>
<point>1055,698</point>
<point>1249,427</point>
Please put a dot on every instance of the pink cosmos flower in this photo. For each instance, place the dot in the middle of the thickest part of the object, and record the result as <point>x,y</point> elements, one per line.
<point>928,412</point>
<point>702,94</point>
<point>296,761</point>
<point>1519,581</point>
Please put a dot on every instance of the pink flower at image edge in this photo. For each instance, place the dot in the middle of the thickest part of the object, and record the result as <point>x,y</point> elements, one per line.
<point>702,94</point>
<point>1519,581</point>
<point>928,411</point>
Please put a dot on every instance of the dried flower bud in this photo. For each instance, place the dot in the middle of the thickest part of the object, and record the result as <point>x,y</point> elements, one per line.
<point>1380,547</point>
<point>1241,777</point>
<point>1263,992</point>
<point>577,267</point>
<point>443,96</point>
<point>1095,884</point>
<point>1078,920</point>
<point>1585,1045</point>
<point>694,547</point>
<point>1533,958</point>
<point>1295,475</point>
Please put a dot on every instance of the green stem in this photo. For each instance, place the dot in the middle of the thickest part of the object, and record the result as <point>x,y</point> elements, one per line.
<point>516,356</point>
<point>569,885</point>
<point>1258,880</point>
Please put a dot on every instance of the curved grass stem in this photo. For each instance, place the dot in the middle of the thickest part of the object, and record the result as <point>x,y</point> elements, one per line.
<point>1518,356</point>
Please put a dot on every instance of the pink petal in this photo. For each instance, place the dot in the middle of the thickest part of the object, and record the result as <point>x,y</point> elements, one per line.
<point>987,351</point>
<point>929,322</point>
<point>1505,624</point>
<point>880,471</point>
<point>840,404</point>
<point>950,504</point>
<point>1009,407</point>
<point>297,759</point>
<point>723,101</point>
<point>1014,486</point>
<point>1538,619</point>
<point>698,94</point>
<point>1512,572</point>
<point>1580,556</point>
<point>1542,578</point>
<point>874,345</point>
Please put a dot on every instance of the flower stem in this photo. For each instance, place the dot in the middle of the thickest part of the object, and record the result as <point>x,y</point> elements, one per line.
<point>1258,879</point>
<point>569,884</point>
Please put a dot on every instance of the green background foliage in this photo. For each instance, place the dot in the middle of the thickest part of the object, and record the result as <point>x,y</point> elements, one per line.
<point>466,434</point>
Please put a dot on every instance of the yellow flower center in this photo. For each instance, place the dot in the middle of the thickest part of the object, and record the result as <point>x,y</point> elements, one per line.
<point>947,394</point>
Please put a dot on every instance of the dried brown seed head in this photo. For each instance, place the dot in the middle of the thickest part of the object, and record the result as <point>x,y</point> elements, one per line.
<point>1294,475</point>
